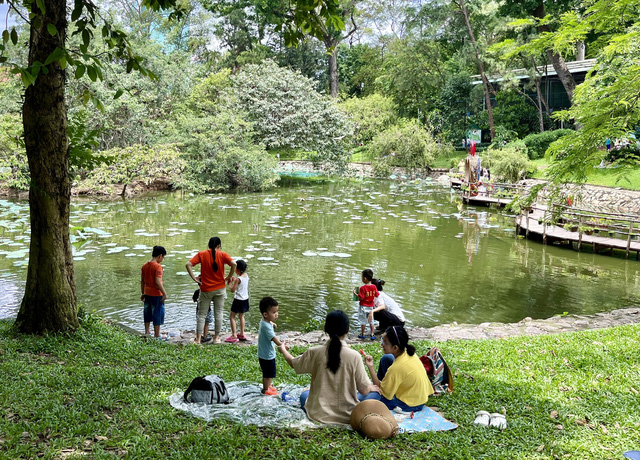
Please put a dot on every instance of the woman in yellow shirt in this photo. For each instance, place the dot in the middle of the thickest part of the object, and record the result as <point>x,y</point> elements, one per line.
<point>401,376</point>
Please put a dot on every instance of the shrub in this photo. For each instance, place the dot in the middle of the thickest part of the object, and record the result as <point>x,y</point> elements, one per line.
<point>408,145</point>
<point>221,155</point>
<point>370,115</point>
<point>516,113</point>
<point>247,169</point>
<point>509,164</point>
<point>287,112</point>
<point>503,136</point>
<point>537,144</point>
<point>139,162</point>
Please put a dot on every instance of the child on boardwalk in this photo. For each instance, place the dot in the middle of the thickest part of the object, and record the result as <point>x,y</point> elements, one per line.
<point>266,339</point>
<point>152,290</point>
<point>240,287</point>
<point>366,296</point>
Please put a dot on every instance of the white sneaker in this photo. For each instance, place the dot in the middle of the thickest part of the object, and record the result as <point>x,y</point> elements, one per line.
<point>482,418</point>
<point>498,421</point>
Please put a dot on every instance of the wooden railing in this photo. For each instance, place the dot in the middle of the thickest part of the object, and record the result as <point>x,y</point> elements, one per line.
<point>494,190</point>
<point>588,222</point>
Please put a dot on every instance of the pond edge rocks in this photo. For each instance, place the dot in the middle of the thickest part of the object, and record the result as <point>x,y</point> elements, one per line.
<point>454,331</point>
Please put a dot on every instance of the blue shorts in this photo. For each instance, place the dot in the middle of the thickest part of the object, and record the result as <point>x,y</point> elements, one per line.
<point>154,309</point>
<point>240,306</point>
<point>268,367</point>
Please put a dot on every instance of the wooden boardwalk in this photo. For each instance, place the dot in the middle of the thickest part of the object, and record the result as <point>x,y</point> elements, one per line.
<point>531,227</point>
<point>491,193</point>
<point>483,200</point>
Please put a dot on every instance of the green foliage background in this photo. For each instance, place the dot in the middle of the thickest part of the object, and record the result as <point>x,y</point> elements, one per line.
<point>251,97</point>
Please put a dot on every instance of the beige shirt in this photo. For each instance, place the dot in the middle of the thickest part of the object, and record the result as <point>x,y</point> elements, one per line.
<point>332,397</point>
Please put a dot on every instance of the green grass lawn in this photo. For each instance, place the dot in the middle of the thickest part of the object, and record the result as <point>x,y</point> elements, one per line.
<point>627,178</point>
<point>448,161</point>
<point>101,393</point>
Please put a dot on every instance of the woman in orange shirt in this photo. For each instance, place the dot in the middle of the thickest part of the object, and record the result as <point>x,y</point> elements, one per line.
<point>212,282</point>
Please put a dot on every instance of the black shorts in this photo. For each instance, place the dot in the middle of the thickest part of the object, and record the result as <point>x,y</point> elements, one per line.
<point>268,367</point>
<point>240,306</point>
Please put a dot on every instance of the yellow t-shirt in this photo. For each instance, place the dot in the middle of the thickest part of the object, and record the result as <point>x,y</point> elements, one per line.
<point>407,380</point>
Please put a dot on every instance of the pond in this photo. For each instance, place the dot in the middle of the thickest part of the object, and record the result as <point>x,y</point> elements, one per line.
<point>307,245</point>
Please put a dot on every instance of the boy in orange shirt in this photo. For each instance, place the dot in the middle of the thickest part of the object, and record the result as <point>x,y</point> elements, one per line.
<point>152,290</point>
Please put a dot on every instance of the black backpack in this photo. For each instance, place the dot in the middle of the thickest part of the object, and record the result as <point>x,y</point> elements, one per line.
<point>209,389</point>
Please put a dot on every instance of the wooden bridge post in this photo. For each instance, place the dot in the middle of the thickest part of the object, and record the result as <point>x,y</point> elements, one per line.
<point>519,229</point>
<point>579,233</point>
<point>629,240</point>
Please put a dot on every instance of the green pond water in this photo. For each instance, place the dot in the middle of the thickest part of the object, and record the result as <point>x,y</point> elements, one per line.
<point>307,245</point>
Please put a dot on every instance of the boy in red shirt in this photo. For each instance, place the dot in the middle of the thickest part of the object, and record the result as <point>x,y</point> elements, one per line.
<point>152,290</point>
<point>366,295</point>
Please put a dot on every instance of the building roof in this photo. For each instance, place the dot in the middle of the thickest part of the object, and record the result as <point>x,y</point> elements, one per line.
<point>545,70</point>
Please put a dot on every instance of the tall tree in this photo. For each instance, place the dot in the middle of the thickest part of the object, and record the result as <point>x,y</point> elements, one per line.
<point>49,302</point>
<point>314,19</point>
<point>486,84</point>
<point>332,36</point>
<point>515,58</point>
<point>607,104</point>
<point>540,11</point>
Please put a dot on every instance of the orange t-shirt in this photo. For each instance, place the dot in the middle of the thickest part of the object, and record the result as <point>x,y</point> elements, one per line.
<point>211,280</point>
<point>150,271</point>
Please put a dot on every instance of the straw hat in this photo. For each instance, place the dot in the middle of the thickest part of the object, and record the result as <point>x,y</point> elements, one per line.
<point>374,420</point>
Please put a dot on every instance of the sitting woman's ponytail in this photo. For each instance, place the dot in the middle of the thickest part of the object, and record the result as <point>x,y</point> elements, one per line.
<point>336,325</point>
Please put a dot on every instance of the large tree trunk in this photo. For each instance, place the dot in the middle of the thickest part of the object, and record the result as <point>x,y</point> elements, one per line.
<point>488,87</point>
<point>333,70</point>
<point>539,104</point>
<point>564,75</point>
<point>49,302</point>
<point>332,39</point>
<point>559,65</point>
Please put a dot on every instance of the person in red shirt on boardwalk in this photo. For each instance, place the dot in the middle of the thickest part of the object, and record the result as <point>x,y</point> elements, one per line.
<point>212,282</point>
<point>366,295</point>
<point>152,290</point>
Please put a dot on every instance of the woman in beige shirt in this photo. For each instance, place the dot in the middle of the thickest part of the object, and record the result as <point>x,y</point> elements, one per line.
<point>337,374</point>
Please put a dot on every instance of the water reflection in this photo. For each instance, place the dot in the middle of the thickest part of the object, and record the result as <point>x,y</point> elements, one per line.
<point>306,246</point>
<point>10,294</point>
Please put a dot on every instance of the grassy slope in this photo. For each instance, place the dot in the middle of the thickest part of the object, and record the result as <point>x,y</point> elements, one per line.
<point>104,393</point>
<point>627,178</point>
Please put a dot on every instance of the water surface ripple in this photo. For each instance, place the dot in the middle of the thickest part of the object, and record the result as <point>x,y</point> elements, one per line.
<point>307,245</point>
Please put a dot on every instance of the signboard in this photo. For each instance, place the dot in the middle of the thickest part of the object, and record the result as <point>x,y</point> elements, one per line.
<point>474,135</point>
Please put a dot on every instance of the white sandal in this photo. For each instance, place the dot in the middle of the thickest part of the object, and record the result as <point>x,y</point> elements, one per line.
<point>498,421</point>
<point>482,418</point>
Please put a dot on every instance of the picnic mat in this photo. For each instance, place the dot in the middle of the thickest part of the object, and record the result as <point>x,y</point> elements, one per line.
<point>250,407</point>
<point>424,420</point>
